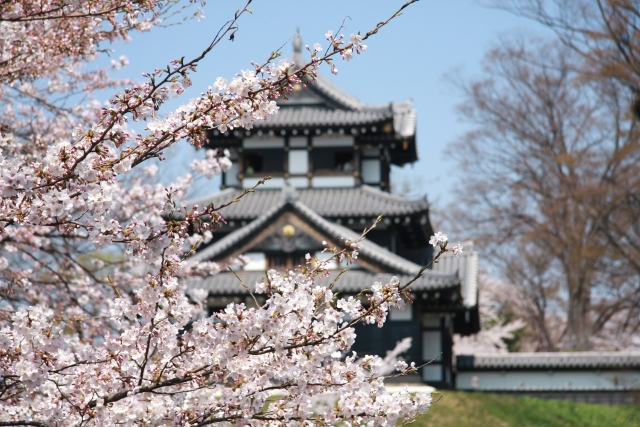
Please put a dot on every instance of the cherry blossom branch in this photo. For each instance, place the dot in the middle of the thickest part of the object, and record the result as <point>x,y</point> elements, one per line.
<point>148,353</point>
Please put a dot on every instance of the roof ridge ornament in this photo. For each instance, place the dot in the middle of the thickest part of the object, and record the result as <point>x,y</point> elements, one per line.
<point>297,42</point>
<point>298,59</point>
<point>289,193</point>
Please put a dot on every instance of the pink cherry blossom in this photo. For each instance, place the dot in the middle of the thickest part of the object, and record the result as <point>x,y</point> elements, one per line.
<point>456,249</point>
<point>438,239</point>
<point>96,325</point>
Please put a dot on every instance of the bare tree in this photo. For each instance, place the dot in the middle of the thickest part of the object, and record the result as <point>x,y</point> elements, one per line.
<point>606,36</point>
<point>550,160</point>
<point>539,301</point>
<point>605,33</point>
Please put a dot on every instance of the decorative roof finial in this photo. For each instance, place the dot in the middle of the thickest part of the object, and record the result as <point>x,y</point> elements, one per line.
<point>297,42</point>
<point>288,193</point>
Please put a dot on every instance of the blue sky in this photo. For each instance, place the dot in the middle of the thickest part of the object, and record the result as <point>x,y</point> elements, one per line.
<point>410,58</point>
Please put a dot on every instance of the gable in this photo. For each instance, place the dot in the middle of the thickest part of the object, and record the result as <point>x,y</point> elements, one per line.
<point>267,232</point>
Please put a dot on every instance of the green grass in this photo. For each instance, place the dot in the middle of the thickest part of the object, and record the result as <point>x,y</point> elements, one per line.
<point>459,409</point>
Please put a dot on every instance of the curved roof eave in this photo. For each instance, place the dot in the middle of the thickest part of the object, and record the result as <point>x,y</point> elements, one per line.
<point>352,281</point>
<point>368,249</point>
<point>363,201</point>
<point>345,100</point>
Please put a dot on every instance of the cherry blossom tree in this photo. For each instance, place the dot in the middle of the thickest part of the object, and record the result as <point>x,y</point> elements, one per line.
<point>96,328</point>
<point>496,300</point>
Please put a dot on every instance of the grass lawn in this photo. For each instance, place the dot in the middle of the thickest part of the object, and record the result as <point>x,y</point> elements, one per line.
<point>459,409</point>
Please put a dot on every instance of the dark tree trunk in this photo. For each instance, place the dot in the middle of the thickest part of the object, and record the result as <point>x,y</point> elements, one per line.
<point>578,318</point>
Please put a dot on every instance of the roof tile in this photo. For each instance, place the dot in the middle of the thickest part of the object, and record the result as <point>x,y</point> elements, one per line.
<point>327,202</point>
<point>586,359</point>
<point>352,281</point>
<point>368,249</point>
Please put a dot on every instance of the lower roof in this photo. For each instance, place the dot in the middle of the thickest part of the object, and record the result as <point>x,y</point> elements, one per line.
<point>336,232</point>
<point>363,201</point>
<point>352,281</point>
<point>585,359</point>
<point>450,270</point>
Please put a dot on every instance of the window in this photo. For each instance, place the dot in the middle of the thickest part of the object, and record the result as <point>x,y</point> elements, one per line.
<point>432,350</point>
<point>253,163</point>
<point>343,161</point>
<point>332,159</point>
<point>263,161</point>
<point>431,345</point>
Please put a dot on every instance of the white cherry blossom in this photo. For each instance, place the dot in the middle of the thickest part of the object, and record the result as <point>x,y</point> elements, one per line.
<point>96,326</point>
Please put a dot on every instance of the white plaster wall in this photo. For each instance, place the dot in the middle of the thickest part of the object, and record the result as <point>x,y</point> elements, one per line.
<point>335,140</point>
<point>276,182</point>
<point>264,141</point>
<point>298,182</point>
<point>548,380</point>
<point>332,181</point>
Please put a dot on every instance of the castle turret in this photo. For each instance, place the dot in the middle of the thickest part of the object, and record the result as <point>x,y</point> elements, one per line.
<point>322,137</point>
<point>329,155</point>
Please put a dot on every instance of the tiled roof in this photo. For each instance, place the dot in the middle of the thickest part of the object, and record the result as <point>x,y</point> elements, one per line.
<point>404,116</point>
<point>589,359</point>
<point>263,206</point>
<point>334,231</point>
<point>362,201</point>
<point>309,116</point>
<point>352,281</point>
<point>367,248</point>
<point>219,247</point>
<point>404,119</point>
<point>466,266</point>
<point>337,94</point>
